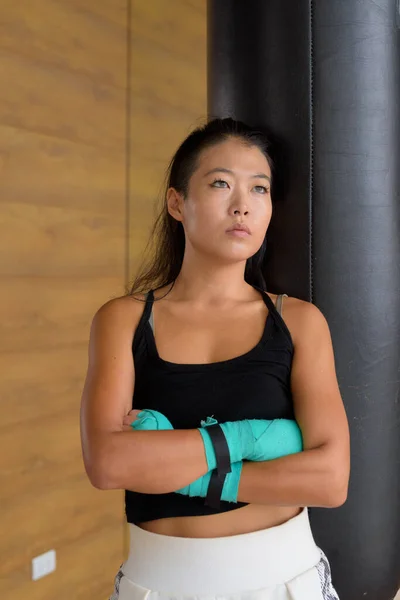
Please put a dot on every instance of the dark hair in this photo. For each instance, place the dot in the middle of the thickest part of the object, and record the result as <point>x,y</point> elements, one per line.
<point>166,247</point>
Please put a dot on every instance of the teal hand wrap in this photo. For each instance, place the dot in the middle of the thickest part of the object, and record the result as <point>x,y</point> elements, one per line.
<point>230,490</point>
<point>239,438</point>
<point>255,439</point>
<point>151,420</point>
<point>280,437</point>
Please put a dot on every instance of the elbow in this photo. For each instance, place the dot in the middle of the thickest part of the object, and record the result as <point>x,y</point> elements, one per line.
<point>99,474</point>
<point>102,463</point>
<point>99,480</point>
<point>337,488</point>
<point>336,471</point>
<point>337,498</point>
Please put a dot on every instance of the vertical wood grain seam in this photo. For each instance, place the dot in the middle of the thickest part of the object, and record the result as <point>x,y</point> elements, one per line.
<point>128,141</point>
<point>128,148</point>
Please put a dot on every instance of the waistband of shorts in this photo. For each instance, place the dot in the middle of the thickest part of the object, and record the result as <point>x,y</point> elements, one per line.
<point>211,565</point>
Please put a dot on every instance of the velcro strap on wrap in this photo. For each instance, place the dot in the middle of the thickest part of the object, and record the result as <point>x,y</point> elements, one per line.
<point>223,460</point>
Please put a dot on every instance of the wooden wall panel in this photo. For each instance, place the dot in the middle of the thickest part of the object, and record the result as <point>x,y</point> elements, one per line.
<point>62,254</point>
<point>168,99</point>
<point>79,36</point>
<point>63,75</point>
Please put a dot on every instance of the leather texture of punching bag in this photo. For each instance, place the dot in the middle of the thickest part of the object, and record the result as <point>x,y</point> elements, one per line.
<point>323,77</point>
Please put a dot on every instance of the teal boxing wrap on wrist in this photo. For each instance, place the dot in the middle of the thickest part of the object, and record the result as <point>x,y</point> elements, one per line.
<point>230,490</point>
<point>280,437</point>
<point>238,435</point>
<point>151,420</point>
<point>255,439</point>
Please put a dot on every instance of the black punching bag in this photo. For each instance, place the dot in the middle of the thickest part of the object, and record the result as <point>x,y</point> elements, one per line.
<point>324,78</point>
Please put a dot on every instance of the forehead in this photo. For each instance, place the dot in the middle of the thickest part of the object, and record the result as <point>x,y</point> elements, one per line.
<point>233,154</point>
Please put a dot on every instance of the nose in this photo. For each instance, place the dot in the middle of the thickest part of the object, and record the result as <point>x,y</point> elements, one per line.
<point>239,206</point>
<point>239,212</point>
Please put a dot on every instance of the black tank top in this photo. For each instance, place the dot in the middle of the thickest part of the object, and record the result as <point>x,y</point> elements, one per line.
<point>255,385</point>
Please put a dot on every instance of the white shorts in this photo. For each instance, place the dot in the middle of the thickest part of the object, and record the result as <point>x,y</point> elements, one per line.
<point>279,563</point>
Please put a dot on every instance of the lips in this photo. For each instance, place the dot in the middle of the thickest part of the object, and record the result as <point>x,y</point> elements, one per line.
<point>239,229</point>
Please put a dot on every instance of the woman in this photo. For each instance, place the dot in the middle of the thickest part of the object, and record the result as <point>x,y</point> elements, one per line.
<point>199,341</point>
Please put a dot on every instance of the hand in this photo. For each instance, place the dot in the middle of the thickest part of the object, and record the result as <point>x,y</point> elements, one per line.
<point>130,418</point>
<point>147,420</point>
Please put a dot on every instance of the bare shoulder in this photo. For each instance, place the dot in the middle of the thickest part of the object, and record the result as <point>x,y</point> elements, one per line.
<point>302,318</point>
<point>121,313</point>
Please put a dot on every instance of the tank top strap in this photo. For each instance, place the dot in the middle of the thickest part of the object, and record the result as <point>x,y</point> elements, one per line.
<point>279,301</point>
<point>267,300</point>
<point>147,312</point>
<point>271,306</point>
<point>276,313</point>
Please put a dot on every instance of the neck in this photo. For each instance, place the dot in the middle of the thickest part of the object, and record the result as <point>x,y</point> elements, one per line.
<point>206,281</point>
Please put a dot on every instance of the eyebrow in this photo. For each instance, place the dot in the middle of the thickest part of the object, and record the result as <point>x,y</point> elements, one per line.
<point>222,170</point>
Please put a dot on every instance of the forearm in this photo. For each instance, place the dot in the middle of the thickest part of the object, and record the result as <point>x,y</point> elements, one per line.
<point>303,479</point>
<point>150,462</point>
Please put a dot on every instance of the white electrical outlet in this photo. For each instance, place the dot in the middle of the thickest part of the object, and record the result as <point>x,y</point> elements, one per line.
<point>44,564</point>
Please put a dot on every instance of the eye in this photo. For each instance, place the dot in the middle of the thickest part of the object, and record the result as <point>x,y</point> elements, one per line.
<point>218,181</point>
<point>263,189</point>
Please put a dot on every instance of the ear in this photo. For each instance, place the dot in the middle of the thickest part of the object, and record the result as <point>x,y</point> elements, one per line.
<point>175,204</point>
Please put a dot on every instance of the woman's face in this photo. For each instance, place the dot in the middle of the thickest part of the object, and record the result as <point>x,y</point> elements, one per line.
<point>230,188</point>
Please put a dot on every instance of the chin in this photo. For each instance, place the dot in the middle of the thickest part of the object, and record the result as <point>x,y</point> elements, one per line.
<point>235,252</point>
<point>234,257</point>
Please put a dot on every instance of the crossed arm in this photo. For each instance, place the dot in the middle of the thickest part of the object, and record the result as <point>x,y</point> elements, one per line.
<point>163,461</point>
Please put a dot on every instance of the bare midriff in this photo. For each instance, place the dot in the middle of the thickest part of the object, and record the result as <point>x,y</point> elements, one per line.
<point>247,519</point>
